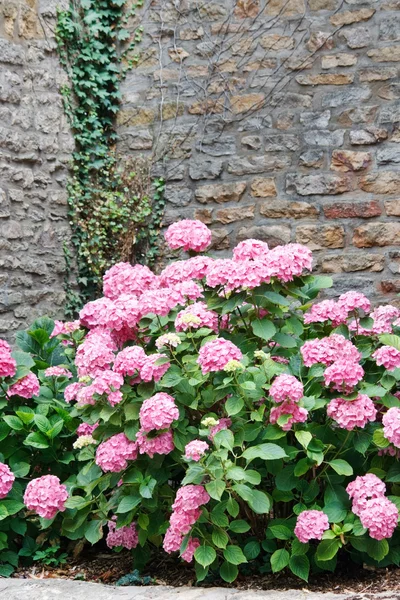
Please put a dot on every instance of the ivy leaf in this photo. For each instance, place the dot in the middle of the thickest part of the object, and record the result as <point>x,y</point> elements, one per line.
<point>279,560</point>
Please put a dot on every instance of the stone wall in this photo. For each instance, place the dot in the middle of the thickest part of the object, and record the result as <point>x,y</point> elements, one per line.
<point>35,145</point>
<point>280,121</point>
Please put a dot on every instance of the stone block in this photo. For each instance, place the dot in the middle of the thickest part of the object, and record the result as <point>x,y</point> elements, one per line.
<point>322,184</point>
<point>312,158</point>
<point>246,165</point>
<point>221,192</point>
<point>348,96</point>
<point>385,54</point>
<point>377,234</point>
<point>274,235</point>
<point>370,135</point>
<point>377,74</point>
<point>390,114</point>
<point>246,102</point>
<point>357,37</point>
<point>352,210</point>
<point>389,29</point>
<point>205,168</point>
<point>384,182</point>
<point>217,145</point>
<point>220,239</point>
<point>388,154</point>
<point>281,143</point>
<point>326,79</point>
<point>342,59</point>
<point>352,262</point>
<point>231,214</point>
<point>291,100</point>
<point>263,187</point>
<point>347,160</point>
<point>324,138</point>
<point>392,208</point>
<point>315,120</point>
<point>284,209</point>
<point>178,195</point>
<point>253,142</point>
<point>11,54</point>
<point>273,41</point>
<point>351,16</point>
<point>247,8</point>
<point>285,8</point>
<point>317,237</point>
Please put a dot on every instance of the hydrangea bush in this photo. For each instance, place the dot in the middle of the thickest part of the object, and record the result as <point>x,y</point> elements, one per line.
<point>230,418</point>
<point>36,437</point>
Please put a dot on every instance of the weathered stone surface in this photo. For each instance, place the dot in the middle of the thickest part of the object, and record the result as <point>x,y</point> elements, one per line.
<point>370,135</point>
<point>377,74</point>
<point>317,5</point>
<point>253,142</point>
<point>291,100</point>
<point>389,29</point>
<point>347,96</point>
<point>359,37</point>
<point>263,187</point>
<point>205,169</point>
<point>350,210</point>
<point>274,235</point>
<point>349,17</point>
<point>388,155</point>
<point>285,8</point>
<point>392,208</point>
<point>377,234</point>
<point>258,164</point>
<point>317,120</point>
<point>220,239</point>
<point>281,143</point>
<point>342,59</point>
<point>385,54</point>
<point>274,41</point>
<point>312,158</point>
<point>351,262</point>
<point>347,160</point>
<point>178,195</point>
<point>384,182</point>
<point>283,209</point>
<point>217,145</point>
<point>390,114</point>
<point>325,79</point>
<point>317,237</point>
<point>247,8</point>
<point>240,104</point>
<point>224,192</point>
<point>311,185</point>
<point>320,39</point>
<point>204,215</point>
<point>324,138</point>
<point>230,215</point>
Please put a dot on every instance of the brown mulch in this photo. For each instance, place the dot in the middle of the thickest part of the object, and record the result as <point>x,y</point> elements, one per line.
<point>107,568</point>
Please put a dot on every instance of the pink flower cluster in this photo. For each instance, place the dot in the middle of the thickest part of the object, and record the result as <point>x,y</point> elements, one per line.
<point>349,414</point>
<point>158,412</point>
<point>133,360</point>
<point>123,278</point>
<point>86,429</point>
<point>58,372</point>
<point>387,356</point>
<point>27,387</point>
<point>343,375</point>
<point>195,316</point>
<point>113,454</point>
<point>46,496</point>
<point>125,537</point>
<point>215,355</point>
<point>383,318</point>
<point>292,411</point>
<point>8,364</point>
<point>64,327</point>
<point>96,353</point>
<point>188,235</point>
<point>250,250</point>
<point>391,426</point>
<point>186,511</point>
<point>195,450</point>
<point>377,513</point>
<point>185,270</point>
<point>286,387</point>
<point>337,312</point>
<point>311,525</point>
<point>163,443</point>
<point>328,350</point>
<point>7,479</point>
<point>222,424</point>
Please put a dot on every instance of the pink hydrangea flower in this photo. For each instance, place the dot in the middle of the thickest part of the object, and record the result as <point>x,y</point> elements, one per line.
<point>162,443</point>
<point>188,235</point>
<point>362,489</point>
<point>27,387</point>
<point>190,497</point>
<point>214,355</point>
<point>195,316</point>
<point>353,300</point>
<point>183,521</point>
<point>383,317</point>
<point>130,360</point>
<point>58,372</point>
<point>310,525</point>
<point>343,375</point>
<point>172,540</point>
<point>191,547</point>
<point>185,270</point>
<point>7,479</point>
<point>150,371</point>
<point>188,290</point>
<point>8,365</point>
<point>349,414</point>
<point>113,454</point>
<point>195,450</point>
<point>287,262</point>
<point>380,517</point>
<point>46,496</point>
<point>159,302</point>
<point>223,423</point>
<point>296,412</point>
<point>86,429</point>
<point>107,381</point>
<point>250,249</point>
<point>328,350</point>
<point>391,426</point>
<point>64,328</point>
<point>71,391</point>
<point>286,387</point>
<point>126,537</point>
<point>100,312</point>
<point>387,356</point>
<point>123,278</point>
<point>236,275</point>
<point>158,412</point>
<point>96,353</point>
<point>327,310</point>
<point>115,398</point>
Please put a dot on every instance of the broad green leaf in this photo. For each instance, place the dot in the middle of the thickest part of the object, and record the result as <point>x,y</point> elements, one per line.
<point>327,549</point>
<point>390,340</point>
<point>342,467</point>
<point>36,440</point>
<point>263,328</point>
<point>300,566</point>
<point>12,506</point>
<point>216,488</point>
<point>234,555</point>
<point>280,532</point>
<point>265,452</point>
<point>279,560</point>
<point>205,555</point>
<point>303,437</point>
<point>220,538</point>
<point>239,526</point>
<point>23,359</point>
<point>94,531</point>
<point>228,572</point>
<point>258,501</point>
<point>252,550</point>
<point>14,422</point>
<point>76,502</point>
<point>128,503</point>
<point>379,439</point>
<point>43,424</point>
<point>335,512</point>
<point>377,549</point>
<point>234,405</point>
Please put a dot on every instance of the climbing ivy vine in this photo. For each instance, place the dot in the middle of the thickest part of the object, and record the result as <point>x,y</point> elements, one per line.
<point>115,208</point>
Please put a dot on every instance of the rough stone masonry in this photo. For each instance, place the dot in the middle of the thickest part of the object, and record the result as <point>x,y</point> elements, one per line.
<point>275,119</point>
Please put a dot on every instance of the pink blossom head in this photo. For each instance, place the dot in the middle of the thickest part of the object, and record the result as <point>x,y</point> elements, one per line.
<point>250,249</point>
<point>188,235</point>
<point>71,391</point>
<point>46,496</point>
<point>190,497</point>
<point>343,375</point>
<point>125,537</point>
<point>123,278</point>
<point>388,357</point>
<point>286,387</point>
<point>58,372</point>
<point>196,450</point>
<point>8,364</point>
<point>327,310</point>
<point>183,521</point>
<point>151,371</point>
<point>162,443</point>
<point>215,355</point>
<point>188,553</point>
<point>96,353</point>
<point>158,412</point>
<point>113,454</point>
<point>391,426</point>
<point>159,302</point>
<point>310,525</point>
<point>27,387</point>
<point>350,414</point>
<point>353,300</point>
<point>172,540</point>
<point>7,479</point>
<point>130,360</point>
<point>287,262</point>
<point>64,327</point>
<point>380,517</point>
<point>195,316</point>
<point>222,424</point>
<point>328,350</point>
<point>86,429</point>
<point>292,411</point>
<point>98,313</point>
<point>362,489</point>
